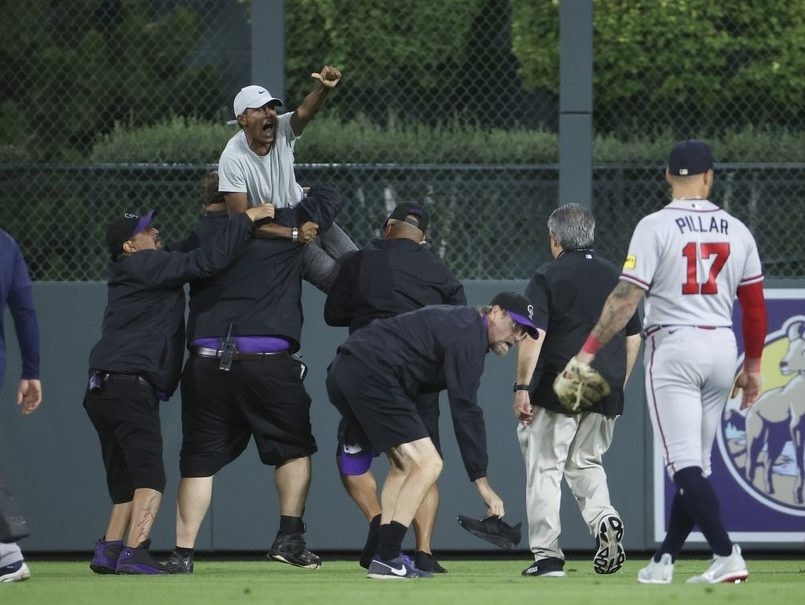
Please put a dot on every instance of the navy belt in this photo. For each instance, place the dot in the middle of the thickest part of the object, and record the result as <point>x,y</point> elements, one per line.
<point>209,353</point>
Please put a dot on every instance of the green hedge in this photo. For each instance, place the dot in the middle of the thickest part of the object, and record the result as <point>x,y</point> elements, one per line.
<point>328,140</point>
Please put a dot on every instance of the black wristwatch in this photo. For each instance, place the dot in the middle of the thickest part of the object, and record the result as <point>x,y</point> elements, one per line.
<point>519,387</point>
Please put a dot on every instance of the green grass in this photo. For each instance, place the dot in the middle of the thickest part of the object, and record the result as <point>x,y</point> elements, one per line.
<point>476,582</point>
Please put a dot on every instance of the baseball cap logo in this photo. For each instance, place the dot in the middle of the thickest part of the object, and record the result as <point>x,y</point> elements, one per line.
<point>531,312</point>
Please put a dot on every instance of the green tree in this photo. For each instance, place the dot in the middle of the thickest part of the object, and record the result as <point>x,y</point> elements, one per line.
<point>683,61</point>
<point>414,52</point>
<point>84,65</point>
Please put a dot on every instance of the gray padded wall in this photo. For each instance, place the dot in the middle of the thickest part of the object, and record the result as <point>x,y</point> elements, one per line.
<point>51,459</point>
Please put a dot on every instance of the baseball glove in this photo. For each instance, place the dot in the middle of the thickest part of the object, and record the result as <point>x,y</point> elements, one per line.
<point>579,386</point>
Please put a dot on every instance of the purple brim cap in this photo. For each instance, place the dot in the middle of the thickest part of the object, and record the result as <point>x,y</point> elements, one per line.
<point>354,464</point>
<point>144,222</point>
<point>526,323</point>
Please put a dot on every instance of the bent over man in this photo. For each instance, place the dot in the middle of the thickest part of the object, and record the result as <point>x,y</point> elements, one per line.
<point>374,382</point>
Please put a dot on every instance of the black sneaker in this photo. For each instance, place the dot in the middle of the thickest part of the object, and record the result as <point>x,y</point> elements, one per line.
<point>425,561</point>
<point>549,567</point>
<point>609,553</point>
<point>291,549</point>
<point>179,563</point>
<point>138,561</point>
<point>104,561</point>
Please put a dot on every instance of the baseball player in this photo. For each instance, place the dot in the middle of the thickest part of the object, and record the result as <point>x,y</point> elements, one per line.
<point>257,167</point>
<point>568,294</point>
<point>15,291</point>
<point>690,259</point>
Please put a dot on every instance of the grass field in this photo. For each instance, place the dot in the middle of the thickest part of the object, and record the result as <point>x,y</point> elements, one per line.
<point>476,582</point>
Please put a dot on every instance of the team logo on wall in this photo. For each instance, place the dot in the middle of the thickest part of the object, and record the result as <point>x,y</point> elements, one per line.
<point>762,447</point>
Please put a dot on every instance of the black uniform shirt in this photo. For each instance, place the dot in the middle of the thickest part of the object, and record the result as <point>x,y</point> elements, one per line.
<point>434,348</point>
<point>143,324</point>
<point>386,278</point>
<point>568,294</point>
<point>260,294</point>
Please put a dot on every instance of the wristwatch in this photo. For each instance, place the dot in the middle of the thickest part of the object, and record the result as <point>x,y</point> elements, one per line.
<point>519,387</point>
<point>295,234</point>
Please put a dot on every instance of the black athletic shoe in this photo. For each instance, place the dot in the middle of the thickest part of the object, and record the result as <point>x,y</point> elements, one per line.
<point>179,563</point>
<point>291,549</point>
<point>609,553</point>
<point>139,561</point>
<point>425,561</point>
<point>549,567</point>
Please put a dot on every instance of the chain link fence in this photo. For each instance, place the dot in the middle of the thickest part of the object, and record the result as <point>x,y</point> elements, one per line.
<point>73,71</point>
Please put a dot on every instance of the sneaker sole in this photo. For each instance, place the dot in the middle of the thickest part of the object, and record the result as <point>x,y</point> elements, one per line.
<point>379,576</point>
<point>282,559</point>
<point>732,578</point>
<point>609,541</point>
<point>100,569</point>
<point>17,577</point>
<point>547,574</point>
<point>652,581</point>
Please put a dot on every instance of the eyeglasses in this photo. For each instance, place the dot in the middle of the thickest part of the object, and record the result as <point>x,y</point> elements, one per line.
<point>516,328</point>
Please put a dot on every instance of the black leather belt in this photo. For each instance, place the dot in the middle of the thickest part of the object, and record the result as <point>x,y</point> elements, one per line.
<point>133,378</point>
<point>241,356</point>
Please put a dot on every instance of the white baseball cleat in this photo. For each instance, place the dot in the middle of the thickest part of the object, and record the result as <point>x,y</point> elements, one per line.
<point>16,572</point>
<point>657,572</point>
<point>729,568</point>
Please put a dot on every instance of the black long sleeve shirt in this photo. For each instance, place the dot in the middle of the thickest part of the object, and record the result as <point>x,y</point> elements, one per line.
<point>433,348</point>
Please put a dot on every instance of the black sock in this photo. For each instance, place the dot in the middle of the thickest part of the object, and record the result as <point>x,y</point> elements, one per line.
<point>391,539</point>
<point>680,525</point>
<point>700,499</point>
<point>185,552</point>
<point>291,525</point>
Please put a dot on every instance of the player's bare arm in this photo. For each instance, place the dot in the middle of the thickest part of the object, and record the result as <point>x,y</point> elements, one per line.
<point>326,79</point>
<point>618,309</point>
<point>237,202</point>
<point>527,356</point>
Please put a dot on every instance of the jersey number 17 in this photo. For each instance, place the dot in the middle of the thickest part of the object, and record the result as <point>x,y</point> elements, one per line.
<point>694,251</point>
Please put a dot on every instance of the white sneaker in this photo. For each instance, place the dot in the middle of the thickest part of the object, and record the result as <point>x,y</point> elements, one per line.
<point>16,572</point>
<point>730,568</point>
<point>661,572</point>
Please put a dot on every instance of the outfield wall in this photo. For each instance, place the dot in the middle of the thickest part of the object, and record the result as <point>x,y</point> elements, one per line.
<point>51,459</point>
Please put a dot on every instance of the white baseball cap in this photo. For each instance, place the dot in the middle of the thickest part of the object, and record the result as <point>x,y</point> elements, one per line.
<point>252,97</point>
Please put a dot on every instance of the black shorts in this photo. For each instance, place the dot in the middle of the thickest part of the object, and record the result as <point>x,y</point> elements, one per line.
<point>386,415</point>
<point>221,410</point>
<point>126,418</point>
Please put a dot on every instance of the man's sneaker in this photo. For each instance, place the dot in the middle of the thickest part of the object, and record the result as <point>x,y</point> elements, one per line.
<point>657,572</point>
<point>179,563</point>
<point>291,549</point>
<point>138,561</point>
<point>728,568</point>
<point>104,561</point>
<point>15,572</point>
<point>399,568</point>
<point>549,567</point>
<point>425,561</point>
<point>609,554</point>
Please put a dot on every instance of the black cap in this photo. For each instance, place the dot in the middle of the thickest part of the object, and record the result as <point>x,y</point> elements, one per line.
<point>690,157</point>
<point>519,308</point>
<point>413,214</point>
<point>120,230</point>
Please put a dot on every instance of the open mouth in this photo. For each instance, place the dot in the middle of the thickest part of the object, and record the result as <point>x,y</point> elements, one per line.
<point>268,127</point>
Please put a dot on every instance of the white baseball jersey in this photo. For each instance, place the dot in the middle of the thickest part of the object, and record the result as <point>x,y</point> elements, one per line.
<point>266,178</point>
<point>691,256</point>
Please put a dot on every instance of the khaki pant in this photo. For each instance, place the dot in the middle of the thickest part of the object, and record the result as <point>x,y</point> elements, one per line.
<point>555,445</point>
